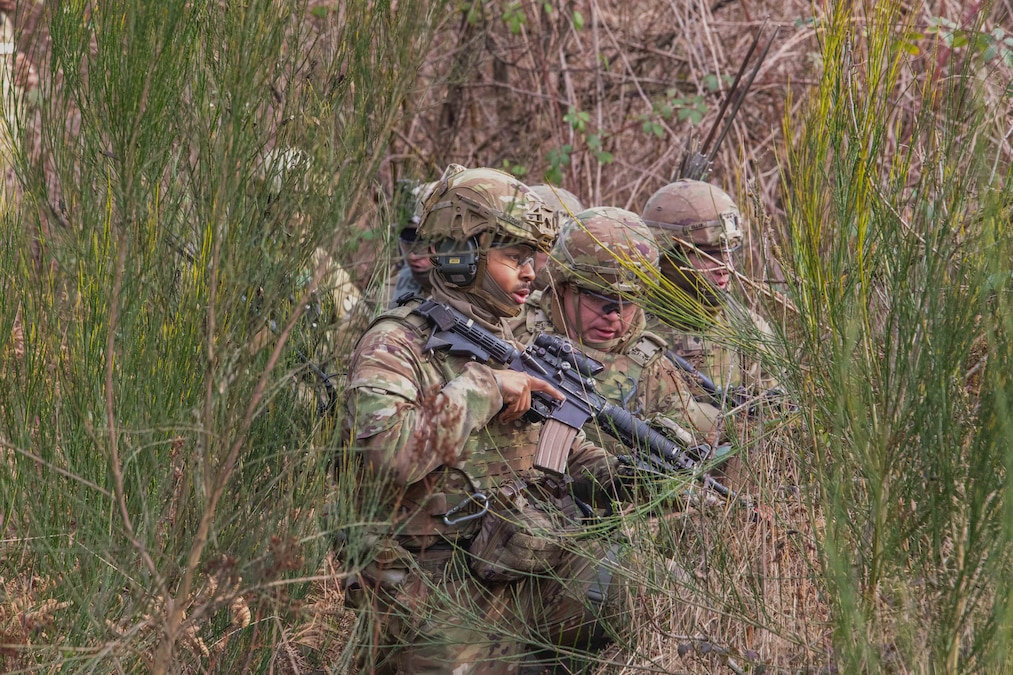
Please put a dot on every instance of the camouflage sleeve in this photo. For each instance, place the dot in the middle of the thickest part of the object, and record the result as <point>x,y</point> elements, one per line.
<point>586,457</point>
<point>667,400</point>
<point>399,412</point>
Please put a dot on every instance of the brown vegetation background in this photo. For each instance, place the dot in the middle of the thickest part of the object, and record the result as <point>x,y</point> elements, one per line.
<point>617,87</point>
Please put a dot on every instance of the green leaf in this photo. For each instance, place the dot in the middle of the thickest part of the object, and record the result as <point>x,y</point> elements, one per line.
<point>320,11</point>
<point>577,119</point>
<point>559,157</point>
<point>514,17</point>
<point>578,20</point>
<point>518,170</point>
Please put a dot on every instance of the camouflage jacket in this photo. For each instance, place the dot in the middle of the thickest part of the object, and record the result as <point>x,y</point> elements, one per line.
<point>729,352</point>
<point>638,378</point>
<point>427,424</point>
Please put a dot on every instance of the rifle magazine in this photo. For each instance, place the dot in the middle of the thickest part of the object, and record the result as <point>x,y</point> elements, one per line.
<point>554,445</point>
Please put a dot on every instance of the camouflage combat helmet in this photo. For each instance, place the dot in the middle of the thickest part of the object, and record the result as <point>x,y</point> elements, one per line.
<point>488,205</point>
<point>604,248</point>
<point>559,199</point>
<point>695,212</point>
<point>420,194</point>
<point>409,198</point>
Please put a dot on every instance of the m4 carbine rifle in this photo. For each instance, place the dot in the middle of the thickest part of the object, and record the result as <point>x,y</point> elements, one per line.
<point>556,361</point>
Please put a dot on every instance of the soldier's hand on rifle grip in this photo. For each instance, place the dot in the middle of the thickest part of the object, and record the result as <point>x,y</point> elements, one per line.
<point>516,388</point>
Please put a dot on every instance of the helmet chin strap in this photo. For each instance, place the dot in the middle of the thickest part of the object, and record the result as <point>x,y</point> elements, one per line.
<point>497,299</point>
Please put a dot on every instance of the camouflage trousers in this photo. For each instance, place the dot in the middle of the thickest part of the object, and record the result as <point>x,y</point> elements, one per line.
<point>438,618</point>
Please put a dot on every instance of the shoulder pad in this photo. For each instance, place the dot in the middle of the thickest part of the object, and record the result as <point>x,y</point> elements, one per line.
<point>647,349</point>
<point>403,314</point>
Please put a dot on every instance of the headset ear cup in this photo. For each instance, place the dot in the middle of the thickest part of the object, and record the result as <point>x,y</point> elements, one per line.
<point>457,261</point>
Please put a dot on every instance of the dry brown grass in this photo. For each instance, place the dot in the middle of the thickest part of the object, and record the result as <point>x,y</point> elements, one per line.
<point>752,596</point>
<point>490,97</point>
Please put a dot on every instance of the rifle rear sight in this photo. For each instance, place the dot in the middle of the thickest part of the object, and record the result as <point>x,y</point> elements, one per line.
<point>566,356</point>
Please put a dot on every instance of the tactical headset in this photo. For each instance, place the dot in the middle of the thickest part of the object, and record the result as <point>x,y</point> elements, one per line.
<point>457,261</point>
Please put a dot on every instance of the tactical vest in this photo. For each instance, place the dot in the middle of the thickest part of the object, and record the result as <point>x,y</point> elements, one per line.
<point>498,455</point>
<point>714,352</point>
<point>619,381</point>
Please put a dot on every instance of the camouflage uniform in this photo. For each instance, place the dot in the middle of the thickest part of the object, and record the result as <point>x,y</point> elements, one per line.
<point>719,337</point>
<point>604,249</point>
<point>714,352</point>
<point>468,596</point>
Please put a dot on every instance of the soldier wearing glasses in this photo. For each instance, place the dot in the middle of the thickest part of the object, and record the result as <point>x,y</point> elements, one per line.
<point>596,272</point>
<point>413,273</point>
<point>468,558</point>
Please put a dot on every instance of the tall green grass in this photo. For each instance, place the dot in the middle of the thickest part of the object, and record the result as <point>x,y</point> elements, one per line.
<point>159,460</point>
<point>898,251</point>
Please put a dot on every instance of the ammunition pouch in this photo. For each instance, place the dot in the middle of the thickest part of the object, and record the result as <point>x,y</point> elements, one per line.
<point>524,534</point>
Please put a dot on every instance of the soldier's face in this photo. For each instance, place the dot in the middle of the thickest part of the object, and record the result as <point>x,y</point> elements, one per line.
<point>513,270</point>
<point>593,317</point>
<point>716,268</point>
<point>414,251</point>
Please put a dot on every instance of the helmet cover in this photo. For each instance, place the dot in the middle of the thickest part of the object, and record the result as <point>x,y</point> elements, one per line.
<point>695,212</point>
<point>604,248</point>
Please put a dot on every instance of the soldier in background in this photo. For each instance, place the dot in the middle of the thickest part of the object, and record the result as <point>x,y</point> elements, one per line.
<point>596,272</point>
<point>472,562</point>
<point>559,199</point>
<point>698,226</point>
<point>414,266</point>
